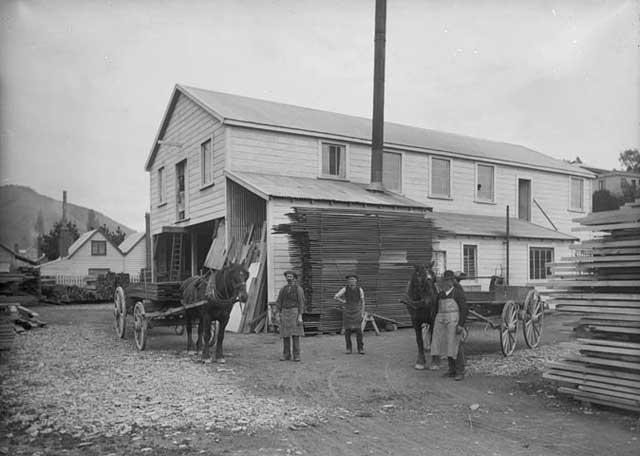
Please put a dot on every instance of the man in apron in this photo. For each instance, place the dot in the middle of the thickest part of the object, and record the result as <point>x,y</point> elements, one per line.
<point>352,298</point>
<point>449,326</point>
<point>290,306</point>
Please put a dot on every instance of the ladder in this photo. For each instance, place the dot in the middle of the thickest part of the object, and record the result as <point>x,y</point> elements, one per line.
<point>175,270</point>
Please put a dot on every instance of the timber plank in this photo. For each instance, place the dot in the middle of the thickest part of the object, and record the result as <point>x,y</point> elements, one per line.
<point>592,370</point>
<point>601,398</point>
<point>599,296</point>
<point>615,329</point>
<point>607,227</point>
<point>613,310</point>
<point>608,362</point>
<point>609,343</point>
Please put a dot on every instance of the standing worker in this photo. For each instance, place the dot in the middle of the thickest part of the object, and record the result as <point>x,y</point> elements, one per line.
<point>290,305</point>
<point>352,298</point>
<point>449,326</point>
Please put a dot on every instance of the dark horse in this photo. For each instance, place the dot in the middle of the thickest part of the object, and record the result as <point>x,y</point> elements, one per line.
<point>221,289</point>
<point>421,300</point>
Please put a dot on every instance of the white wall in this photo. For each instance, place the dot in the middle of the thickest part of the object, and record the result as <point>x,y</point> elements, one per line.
<point>82,260</point>
<point>136,259</point>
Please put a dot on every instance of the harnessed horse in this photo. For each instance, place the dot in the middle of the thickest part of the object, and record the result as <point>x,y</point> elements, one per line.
<point>221,289</point>
<point>421,301</point>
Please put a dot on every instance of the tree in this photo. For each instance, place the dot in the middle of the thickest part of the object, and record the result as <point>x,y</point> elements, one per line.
<point>604,200</point>
<point>630,160</point>
<point>116,237</point>
<point>629,192</point>
<point>50,243</point>
<point>39,226</point>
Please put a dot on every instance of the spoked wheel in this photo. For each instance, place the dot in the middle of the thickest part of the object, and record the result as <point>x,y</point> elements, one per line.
<point>140,325</point>
<point>533,316</point>
<point>508,328</point>
<point>120,312</point>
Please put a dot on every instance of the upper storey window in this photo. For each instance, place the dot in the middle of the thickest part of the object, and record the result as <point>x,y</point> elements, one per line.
<point>334,163</point>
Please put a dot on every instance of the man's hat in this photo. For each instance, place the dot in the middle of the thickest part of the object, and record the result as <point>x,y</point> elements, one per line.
<point>352,275</point>
<point>449,275</point>
<point>293,273</point>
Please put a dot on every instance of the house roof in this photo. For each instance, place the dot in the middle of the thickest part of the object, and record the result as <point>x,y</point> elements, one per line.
<point>263,114</point>
<point>492,226</point>
<point>18,256</point>
<point>83,239</point>
<point>130,242</point>
<point>270,186</point>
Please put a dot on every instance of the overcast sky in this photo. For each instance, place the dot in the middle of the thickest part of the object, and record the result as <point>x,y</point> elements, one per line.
<point>84,83</point>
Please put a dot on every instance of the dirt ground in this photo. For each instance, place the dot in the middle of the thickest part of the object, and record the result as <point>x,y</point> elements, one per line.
<point>75,388</point>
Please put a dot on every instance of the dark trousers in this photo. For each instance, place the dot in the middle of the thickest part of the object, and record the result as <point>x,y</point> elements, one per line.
<point>286,347</point>
<point>359,340</point>
<point>456,365</point>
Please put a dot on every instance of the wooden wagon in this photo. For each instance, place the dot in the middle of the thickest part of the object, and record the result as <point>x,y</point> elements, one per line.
<point>503,308</point>
<point>151,305</point>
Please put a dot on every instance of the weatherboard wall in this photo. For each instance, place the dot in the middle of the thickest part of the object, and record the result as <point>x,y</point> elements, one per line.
<point>189,126</point>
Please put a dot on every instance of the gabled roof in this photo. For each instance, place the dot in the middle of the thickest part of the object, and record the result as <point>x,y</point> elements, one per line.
<point>254,113</point>
<point>130,242</point>
<point>18,256</point>
<point>270,186</point>
<point>492,226</point>
<point>83,239</point>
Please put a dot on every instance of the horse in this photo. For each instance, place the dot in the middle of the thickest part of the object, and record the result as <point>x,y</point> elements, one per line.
<point>221,289</point>
<point>421,301</point>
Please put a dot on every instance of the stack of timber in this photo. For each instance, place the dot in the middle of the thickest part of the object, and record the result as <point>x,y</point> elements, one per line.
<point>601,286</point>
<point>381,247</point>
<point>160,292</point>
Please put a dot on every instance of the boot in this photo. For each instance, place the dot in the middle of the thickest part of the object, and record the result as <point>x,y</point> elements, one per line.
<point>459,362</point>
<point>435,363</point>
<point>451,372</point>
<point>286,349</point>
<point>296,348</point>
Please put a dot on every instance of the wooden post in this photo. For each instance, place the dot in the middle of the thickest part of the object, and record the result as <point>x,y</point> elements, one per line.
<point>507,242</point>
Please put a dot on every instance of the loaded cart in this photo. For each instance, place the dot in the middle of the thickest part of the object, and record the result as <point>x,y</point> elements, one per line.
<point>150,304</point>
<point>503,307</point>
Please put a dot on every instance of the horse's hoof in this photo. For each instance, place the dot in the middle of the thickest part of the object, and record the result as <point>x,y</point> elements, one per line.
<point>419,366</point>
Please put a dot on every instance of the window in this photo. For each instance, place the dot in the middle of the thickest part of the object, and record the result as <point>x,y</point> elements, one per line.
<point>162,197</point>
<point>539,258</point>
<point>206,162</point>
<point>392,171</point>
<point>181,195</point>
<point>439,258</point>
<point>333,160</point>
<point>577,186</point>
<point>470,260</point>
<point>440,177</point>
<point>98,248</point>
<point>600,185</point>
<point>97,272</point>
<point>484,182</point>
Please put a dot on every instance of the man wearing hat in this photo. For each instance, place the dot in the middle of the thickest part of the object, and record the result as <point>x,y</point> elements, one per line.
<point>290,305</point>
<point>449,326</point>
<point>352,298</point>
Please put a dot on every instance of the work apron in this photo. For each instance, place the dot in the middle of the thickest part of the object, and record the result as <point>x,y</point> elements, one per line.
<point>446,341</point>
<point>289,325</point>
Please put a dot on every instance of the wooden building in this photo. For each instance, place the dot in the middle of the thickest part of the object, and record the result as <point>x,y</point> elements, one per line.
<point>249,162</point>
<point>93,254</point>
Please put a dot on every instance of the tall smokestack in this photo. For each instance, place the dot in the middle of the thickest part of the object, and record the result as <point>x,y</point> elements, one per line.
<point>64,206</point>
<point>64,241</point>
<point>377,133</point>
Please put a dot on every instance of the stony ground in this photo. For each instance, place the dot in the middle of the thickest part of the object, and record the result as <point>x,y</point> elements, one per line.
<point>75,388</point>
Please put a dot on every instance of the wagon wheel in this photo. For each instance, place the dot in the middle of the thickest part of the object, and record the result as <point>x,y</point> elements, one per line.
<point>508,327</point>
<point>533,316</point>
<point>120,311</point>
<point>140,325</point>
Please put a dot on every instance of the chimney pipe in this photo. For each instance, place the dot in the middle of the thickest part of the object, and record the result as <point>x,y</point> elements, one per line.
<point>64,206</point>
<point>64,241</point>
<point>377,133</point>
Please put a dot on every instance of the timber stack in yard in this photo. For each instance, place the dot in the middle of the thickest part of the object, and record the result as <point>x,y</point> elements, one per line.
<point>601,286</point>
<point>379,246</point>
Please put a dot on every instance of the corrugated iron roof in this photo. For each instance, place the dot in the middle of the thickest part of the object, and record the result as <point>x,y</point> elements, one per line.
<point>235,109</point>
<point>274,186</point>
<point>491,226</point>
<point>130,242</point>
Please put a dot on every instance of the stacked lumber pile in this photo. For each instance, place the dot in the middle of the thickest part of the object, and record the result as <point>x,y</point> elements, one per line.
<point>251,251</point>
<point>381,247</point>
<point>15,318</point>
<point>161,292</point>
<point>601,286</point>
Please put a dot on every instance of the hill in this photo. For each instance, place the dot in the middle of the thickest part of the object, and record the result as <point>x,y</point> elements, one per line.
<point>19,209</point>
